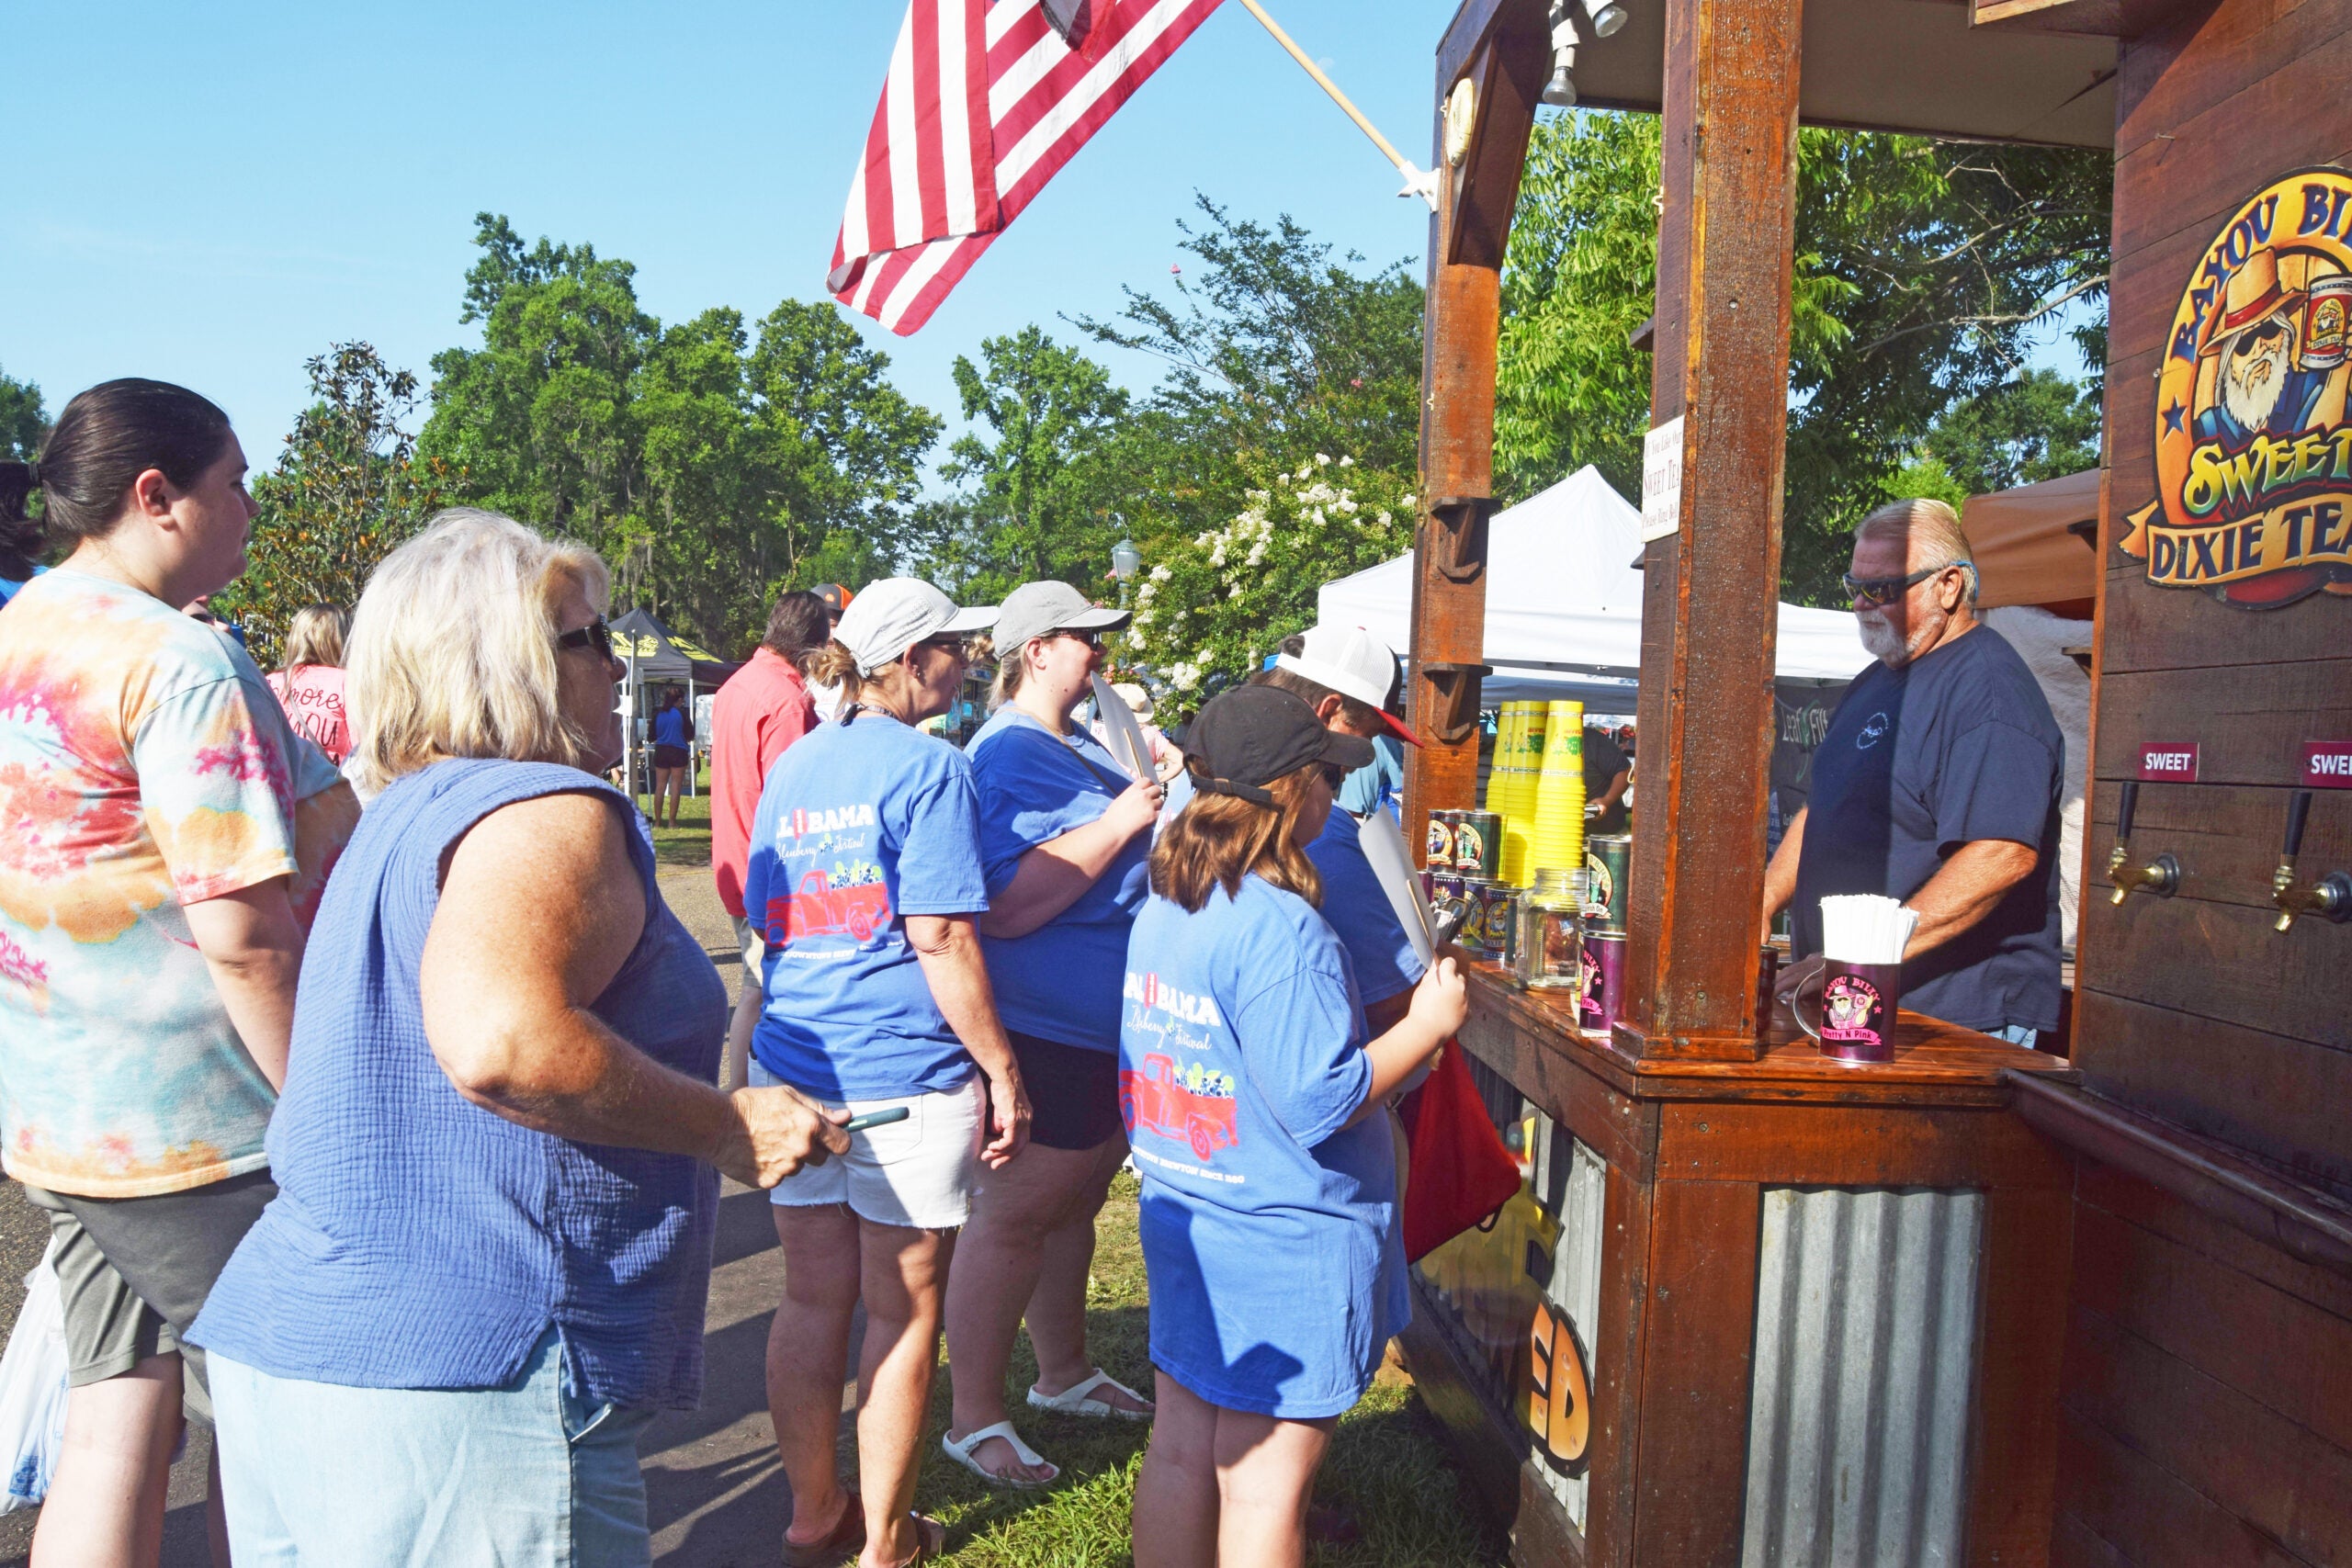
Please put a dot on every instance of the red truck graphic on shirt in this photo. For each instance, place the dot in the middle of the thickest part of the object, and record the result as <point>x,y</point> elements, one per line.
<point>1158,1100</point>
<point>817,908</point>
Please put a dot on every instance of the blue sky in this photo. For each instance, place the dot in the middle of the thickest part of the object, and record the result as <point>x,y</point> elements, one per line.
<point>210,194</point>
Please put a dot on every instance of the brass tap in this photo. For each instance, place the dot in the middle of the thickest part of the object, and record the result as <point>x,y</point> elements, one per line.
<point>2160,876</point>
<point>2330,897</point>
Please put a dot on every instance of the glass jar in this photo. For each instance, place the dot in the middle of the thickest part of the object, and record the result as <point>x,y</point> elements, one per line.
<point>1551,930</point>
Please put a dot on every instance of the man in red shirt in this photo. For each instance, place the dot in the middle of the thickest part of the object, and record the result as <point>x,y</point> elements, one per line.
<point>763,708</point>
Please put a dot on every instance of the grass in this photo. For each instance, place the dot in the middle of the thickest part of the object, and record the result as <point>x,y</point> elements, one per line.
<point>1388,1471</point>
<point>688,844</point>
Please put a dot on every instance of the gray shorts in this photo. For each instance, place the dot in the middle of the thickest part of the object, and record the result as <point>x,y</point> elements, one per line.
<point>134,1272</point>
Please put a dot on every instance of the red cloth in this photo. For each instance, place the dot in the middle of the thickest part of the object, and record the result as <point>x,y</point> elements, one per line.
<point>1460,1171</point>
<point>312,695</point>
<point>763,708</point>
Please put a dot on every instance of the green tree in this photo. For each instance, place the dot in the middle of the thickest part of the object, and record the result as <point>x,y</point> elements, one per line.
<point>1212,606</point>
<point>1923,269</point>
<point>346,490</point>
<point>1274,352</point>
<point>1037,499</point>
<point>2039,426</point>
<point>709,462</point>
<point>24,423</point>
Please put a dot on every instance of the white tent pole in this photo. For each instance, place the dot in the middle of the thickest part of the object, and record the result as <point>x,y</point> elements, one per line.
<point>693,734</point>
<point>629,725</point>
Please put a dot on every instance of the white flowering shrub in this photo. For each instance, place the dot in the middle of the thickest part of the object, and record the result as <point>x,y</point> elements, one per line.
<point>1219,602</point>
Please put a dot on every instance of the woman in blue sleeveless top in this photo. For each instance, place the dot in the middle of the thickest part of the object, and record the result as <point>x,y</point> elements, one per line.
<point>487,1263</point>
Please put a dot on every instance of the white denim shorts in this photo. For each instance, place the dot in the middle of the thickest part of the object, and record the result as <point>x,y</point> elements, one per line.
<point>919,1172</point>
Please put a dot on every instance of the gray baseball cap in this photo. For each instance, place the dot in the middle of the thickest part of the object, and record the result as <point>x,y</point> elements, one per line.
<point>1034,609</point>
<point>890,617</point>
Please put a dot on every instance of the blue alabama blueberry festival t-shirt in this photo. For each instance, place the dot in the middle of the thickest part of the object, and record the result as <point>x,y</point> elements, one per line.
<point>860,825</point>
<point>1061,981</point>
<point>1957,745</point>
<point>1353,904</point>
<point>1360,912</point>
<point>1269,1226</point>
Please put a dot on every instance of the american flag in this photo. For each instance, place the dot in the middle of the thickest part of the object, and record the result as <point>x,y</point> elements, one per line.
<point>985,102</point>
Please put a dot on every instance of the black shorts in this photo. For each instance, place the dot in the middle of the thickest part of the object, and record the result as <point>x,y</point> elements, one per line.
<point>1073,1092</point>
<point>669,756</point>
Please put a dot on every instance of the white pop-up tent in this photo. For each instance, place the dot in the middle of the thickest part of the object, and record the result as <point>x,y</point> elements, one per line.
<point>1564,603</point>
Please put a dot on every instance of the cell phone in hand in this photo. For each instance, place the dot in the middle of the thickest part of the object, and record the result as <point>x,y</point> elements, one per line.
<point>1448,920</point>
<point>878,1119</point>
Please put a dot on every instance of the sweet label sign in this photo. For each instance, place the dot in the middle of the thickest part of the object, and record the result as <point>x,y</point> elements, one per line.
<point>2169,762</point>
<point>2328,764</point>
<point>2253,448</point>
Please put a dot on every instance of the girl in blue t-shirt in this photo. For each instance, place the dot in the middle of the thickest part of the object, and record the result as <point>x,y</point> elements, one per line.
<point>865,880</point>
<point>1063,835</point>
<point>1268,1214</point>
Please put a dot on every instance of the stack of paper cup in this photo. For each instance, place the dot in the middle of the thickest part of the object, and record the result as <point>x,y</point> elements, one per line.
<point>1558,839</point>
<point>1505,777</point>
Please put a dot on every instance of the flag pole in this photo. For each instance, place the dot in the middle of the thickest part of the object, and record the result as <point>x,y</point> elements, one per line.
<point>1417,182</point>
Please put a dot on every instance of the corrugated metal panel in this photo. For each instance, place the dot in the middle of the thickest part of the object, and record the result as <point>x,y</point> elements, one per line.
<point>1572,1182</point>
<point>1865,1351</point>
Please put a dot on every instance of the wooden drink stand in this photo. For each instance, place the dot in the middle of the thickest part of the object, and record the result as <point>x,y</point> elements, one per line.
<point>1981,1304</point>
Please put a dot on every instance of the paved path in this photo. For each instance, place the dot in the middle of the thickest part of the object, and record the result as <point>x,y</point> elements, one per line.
<point>716,1494</point>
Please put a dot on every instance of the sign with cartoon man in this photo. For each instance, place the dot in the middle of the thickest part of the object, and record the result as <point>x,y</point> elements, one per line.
<point>2254,451</point>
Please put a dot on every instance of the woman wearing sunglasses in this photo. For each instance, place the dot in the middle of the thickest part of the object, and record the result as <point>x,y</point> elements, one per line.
<point>1063,835</point>
<point>865,880</point>
<point>1269,1216</point>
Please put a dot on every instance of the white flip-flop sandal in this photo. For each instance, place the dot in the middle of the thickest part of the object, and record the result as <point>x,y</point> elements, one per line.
<point>1078,1400</point>
<point>961,1452</point>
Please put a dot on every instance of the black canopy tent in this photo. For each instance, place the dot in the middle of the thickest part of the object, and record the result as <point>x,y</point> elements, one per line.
<point>658,655</point>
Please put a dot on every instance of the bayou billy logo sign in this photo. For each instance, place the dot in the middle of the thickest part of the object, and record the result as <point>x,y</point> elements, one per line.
<point>2254,453</point>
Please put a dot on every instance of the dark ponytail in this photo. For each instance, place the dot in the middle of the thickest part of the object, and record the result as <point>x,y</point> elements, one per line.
<point>19,532</point>
<point>106,438</point>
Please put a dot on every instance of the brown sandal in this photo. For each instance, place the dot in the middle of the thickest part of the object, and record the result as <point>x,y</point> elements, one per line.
<point>838,1545</point>
<point>931,1540</point>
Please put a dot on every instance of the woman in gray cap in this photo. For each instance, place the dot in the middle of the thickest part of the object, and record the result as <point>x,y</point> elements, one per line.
<point>1064,836</point>
<point>865,880</point>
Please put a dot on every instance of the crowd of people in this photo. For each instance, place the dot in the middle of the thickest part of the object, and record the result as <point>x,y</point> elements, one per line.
<point>389,1140</point>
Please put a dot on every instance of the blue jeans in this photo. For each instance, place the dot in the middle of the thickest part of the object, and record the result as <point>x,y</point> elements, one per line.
<point>525,1475</point>
<point>2018,1035</point>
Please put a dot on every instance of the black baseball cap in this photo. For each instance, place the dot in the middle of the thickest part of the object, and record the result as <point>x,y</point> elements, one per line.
<point>1253,735</point>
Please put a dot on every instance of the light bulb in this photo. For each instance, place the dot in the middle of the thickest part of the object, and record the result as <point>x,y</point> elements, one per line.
<point>1561,91</point>
<point>1607,15</point>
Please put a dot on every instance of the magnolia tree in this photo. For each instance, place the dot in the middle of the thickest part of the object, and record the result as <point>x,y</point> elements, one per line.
<point>1212,607</point>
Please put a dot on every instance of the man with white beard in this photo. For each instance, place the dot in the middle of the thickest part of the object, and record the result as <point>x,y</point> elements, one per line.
<point>1938,783</point>
<point>2257,389</point>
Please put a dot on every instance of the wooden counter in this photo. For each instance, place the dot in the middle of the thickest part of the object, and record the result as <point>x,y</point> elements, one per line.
<point>1816,1254</point>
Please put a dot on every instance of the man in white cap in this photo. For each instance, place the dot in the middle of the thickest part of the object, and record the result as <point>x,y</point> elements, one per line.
<point>1348,676</point>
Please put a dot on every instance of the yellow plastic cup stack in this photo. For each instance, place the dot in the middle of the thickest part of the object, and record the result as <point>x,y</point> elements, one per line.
<point>1510,787</point>
<point>1558,839</point>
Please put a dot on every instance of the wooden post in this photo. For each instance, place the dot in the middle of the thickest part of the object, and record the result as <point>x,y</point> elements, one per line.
<point>1496,45</point>
<point>1710,603</point>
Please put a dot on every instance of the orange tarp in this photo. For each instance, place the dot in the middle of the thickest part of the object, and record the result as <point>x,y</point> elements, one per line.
<point>2024,553</point>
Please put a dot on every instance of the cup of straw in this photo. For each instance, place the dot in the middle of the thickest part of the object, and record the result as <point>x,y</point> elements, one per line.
<point>1854,997</point>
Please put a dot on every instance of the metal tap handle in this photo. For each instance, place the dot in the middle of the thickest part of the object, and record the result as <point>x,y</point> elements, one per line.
<point>2125,809</point>
<point>2299,811</point>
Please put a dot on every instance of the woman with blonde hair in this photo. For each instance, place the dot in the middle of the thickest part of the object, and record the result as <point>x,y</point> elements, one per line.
<point>308,679</point>
<point>1251,1102</point>
<point>499,1147</point>
<point>865,882</point>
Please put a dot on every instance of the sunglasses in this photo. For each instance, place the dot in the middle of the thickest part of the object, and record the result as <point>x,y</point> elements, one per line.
<point>960,646</point>
<point>1334,775</point>
<point>1887,590</point>
<point>598,635</point>
<point>1089,638</point>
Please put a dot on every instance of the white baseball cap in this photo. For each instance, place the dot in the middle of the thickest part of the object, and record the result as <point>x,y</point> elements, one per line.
<point>889,617</point>
<point>1352,662</point>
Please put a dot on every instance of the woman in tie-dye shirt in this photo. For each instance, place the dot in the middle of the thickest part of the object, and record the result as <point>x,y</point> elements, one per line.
<point>163,834</point>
